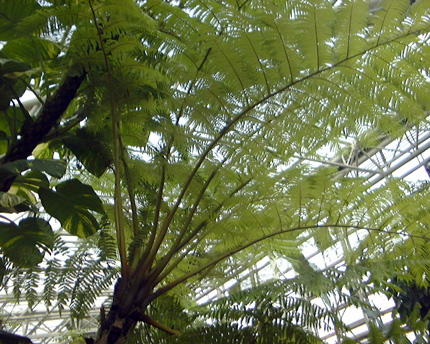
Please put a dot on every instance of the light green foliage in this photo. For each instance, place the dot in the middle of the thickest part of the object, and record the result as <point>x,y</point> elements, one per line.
<point>187,123</point>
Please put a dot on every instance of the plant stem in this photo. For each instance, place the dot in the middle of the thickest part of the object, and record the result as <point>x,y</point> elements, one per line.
<point>215,261</point>
<point>119,221</point>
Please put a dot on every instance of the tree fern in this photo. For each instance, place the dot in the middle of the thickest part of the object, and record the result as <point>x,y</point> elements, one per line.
<point>233,94</point>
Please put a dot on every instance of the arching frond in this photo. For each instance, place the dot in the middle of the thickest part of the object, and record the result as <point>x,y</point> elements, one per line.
<point>202,113</point>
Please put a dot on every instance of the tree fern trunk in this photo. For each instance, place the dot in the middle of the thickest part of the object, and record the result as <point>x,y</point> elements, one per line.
<point>116,330</point>
<point>124,314</point>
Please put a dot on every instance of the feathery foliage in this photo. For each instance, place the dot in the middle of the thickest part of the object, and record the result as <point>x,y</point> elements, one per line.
<point>196,112</point>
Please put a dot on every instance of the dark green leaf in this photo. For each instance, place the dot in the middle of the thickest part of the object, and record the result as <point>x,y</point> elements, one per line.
<point>97,159</point>
<point>5,174</point>
<point>55,168</point>
<point>3,142</point>
<point>12,66</point>
<point>10,88</point>
<point>10,203</point>
<point>71,204</point>
<point>12,13</point>
<point>32,180</point>
<point>82,195</point>
<point>26,185</point>
<point>31,49</point>
<point>11,122</point>
<point>22,244</point>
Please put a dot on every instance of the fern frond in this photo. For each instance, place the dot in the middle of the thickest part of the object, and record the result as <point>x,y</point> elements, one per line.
<point>351,22</point>
<point>387,22</point>
<point>316,24</point>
